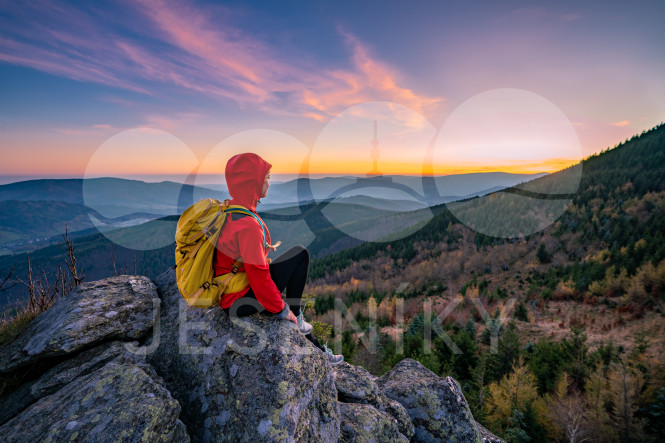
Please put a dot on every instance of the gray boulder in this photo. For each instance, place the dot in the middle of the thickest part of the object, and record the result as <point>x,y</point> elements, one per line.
<point>112,396</point>
<point>356,385</point>
<point>250,379</point>
<point>435,404</point>
<point>362,423</point>
<point>62,374</point>
<point>118,307</point>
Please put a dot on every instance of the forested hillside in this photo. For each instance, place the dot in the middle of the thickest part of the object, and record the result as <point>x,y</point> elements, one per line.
<point>556,335</point>
<point>581,350</point>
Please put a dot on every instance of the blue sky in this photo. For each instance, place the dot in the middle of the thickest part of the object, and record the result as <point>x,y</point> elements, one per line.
<point>75,74</point>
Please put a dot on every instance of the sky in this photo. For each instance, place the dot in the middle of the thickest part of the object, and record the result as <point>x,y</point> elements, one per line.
<point>158,88</point>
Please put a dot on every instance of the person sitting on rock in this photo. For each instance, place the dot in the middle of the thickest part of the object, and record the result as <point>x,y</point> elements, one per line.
<point>247,237</point>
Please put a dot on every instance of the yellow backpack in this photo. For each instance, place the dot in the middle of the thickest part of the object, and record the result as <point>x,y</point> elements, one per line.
<point>196,239</point>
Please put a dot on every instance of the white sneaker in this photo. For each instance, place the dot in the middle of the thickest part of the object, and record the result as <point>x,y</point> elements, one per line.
<point>333,359</point>
<point>304,327</point>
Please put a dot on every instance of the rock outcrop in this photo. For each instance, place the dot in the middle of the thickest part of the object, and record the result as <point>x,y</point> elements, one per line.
<point>123,359</point>
<point>106,391</point>
<point>250,379</point>
<point>361,422</point>
<point>118,307</point>
<point>356,385</point>
<point>435,404</point>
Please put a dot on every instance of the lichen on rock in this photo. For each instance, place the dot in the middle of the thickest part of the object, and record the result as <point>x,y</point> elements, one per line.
<point>79,320</point>
<point>362,423</point>
<point>123,400</point>
<point>435,404</point>
<point>250,379</point>
<point>356,385</point>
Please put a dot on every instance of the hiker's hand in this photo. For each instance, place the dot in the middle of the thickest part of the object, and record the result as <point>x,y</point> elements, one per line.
<point>292,317</point>
<point>273,247</point>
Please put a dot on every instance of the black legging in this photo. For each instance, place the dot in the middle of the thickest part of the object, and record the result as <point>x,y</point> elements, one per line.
<point>288,271</point>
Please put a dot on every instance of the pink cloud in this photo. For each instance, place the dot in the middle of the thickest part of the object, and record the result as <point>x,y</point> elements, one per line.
<point>370,80</point>
<point>172,122</point>
<point>621,123</point>
<point>77,132</point>
<point>61,65</point>
<point>82,132</point>
<point>249,65</point>
<point>316,116</point>
<point>207,55</point>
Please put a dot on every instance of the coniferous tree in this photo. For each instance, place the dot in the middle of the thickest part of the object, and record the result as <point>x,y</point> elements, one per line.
<point>543,255</point>
<point>521,312</point>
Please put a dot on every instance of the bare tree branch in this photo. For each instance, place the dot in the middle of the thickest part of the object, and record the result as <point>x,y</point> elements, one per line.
<point>71,263</point>
<point>2,288</point>
<point>30,284</point>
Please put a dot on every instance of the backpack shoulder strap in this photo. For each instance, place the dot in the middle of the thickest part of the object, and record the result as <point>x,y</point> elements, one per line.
<point>242,210</point>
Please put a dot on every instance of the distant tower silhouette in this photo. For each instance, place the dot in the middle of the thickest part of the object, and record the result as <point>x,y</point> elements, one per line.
<point>374,153</point>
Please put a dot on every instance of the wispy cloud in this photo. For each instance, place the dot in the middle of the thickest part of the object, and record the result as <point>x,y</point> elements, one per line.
<point>370,80</point>
<point>172,121</point>
<point>621,123</point>
<point>570,17</point>
<point>62,40</point>
<point>537,14</point>
<point>99,129</point>
<point>183,47</point>
<point>77,132</point>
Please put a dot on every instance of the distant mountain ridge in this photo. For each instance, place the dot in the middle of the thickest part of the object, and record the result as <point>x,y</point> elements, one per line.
<point>114,197</point>
<point>363,217</point>
<point>448,187</point>
<point>27,225</point>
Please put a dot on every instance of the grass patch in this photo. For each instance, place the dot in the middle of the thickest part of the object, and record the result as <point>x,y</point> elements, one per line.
<point>11,327</point>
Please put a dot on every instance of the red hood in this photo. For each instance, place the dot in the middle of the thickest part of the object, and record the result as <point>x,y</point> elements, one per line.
<point>245,175</point>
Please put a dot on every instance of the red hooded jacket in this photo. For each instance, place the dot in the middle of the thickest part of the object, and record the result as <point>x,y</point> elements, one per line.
<point>243,237</point>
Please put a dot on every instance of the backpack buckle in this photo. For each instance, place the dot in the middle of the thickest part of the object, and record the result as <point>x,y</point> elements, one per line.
<point>205,285</point>
<point>234,270</point>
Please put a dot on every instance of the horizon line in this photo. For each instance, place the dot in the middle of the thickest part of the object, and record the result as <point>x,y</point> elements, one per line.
<point>181,178</point>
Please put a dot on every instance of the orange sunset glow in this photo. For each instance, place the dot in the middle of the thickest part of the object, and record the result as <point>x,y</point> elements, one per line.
<point>205,78</point>
<point>291,167</point>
